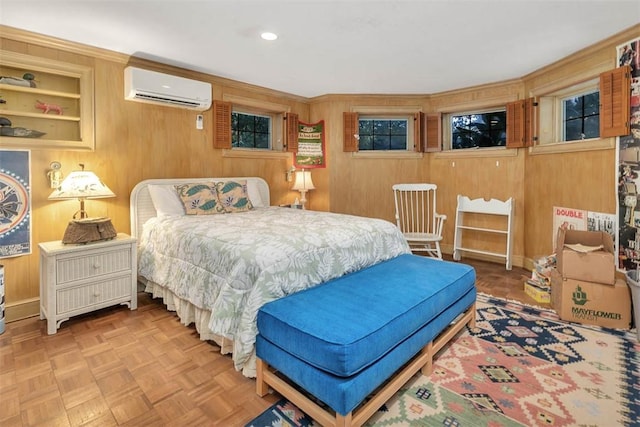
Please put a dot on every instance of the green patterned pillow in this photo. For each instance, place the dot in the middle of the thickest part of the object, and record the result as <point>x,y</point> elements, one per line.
<point>199,199</point>
<point>233,196</point>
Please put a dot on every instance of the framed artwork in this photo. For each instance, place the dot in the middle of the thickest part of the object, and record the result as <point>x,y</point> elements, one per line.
<point>15,203</point>
<point>311,152</point>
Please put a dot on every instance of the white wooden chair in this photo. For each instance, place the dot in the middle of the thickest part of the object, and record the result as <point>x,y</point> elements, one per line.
<point>417,218</point>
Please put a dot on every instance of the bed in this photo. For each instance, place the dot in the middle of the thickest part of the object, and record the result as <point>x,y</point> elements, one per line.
<point>216,271</point>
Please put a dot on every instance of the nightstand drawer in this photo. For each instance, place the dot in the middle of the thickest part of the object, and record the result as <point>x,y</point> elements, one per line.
<point>93,264</point>
<point>83,297</point>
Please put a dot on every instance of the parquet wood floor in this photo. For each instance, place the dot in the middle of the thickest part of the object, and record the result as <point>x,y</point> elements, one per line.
<point>117,367</point>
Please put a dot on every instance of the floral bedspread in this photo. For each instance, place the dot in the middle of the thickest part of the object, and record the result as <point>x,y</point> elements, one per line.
<point>232,264</point>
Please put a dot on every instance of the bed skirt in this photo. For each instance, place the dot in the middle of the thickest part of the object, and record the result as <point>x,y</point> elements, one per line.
<point>190,314</point>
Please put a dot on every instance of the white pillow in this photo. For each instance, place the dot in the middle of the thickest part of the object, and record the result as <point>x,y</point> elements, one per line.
<point>254,194</point>
<point>166,200</point>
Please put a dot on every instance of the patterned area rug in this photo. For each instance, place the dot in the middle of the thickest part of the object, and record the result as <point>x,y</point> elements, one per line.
<point>520,366</point>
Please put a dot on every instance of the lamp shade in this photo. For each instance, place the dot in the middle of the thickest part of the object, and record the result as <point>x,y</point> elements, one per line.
<point>81,185</point>
<point>303,181</point>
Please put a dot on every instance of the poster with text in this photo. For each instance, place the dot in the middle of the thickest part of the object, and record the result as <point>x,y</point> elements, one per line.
<point>578,219</point>
<point>311,152</point>
<point>15,203</point>
<point>568,219</point>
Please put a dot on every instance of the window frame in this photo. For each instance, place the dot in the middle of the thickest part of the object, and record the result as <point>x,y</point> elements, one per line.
<point>279,112</point>
<point>410,142</point>
<point>255,112</point>
<point>547,142</point>
<point>447,136</point>
<point>562,124</point>
<point>410,112</point>
<point>551,112</point>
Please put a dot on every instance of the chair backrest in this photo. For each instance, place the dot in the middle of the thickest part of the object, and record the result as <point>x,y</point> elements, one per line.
<point>415,207</point>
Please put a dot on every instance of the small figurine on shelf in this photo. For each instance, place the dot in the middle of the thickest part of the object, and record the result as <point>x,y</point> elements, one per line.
<point>27,80</point>
<point>30,78</point>
<point>7,130</point>
<point>46,107</point>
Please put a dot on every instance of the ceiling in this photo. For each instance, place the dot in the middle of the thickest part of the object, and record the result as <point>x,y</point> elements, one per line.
<point>335,47</point>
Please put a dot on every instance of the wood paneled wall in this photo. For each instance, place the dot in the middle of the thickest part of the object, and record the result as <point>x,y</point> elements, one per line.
<point>581,179</point>
<point>362,185</point>
<point>136,141</point>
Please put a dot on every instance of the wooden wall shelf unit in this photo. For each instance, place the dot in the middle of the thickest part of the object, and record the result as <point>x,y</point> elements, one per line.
<point>484,207</point>
<point>69,86</point>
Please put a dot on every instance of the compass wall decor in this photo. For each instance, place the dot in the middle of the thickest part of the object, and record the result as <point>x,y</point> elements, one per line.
<point>15,203</point>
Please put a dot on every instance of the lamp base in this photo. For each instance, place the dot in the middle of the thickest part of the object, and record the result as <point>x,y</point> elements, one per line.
<point>303,198</point>
<point>89,230</point>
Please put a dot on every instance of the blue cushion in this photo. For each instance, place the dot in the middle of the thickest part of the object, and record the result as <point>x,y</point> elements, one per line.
<point>347,324</point>
<point>344,394</point>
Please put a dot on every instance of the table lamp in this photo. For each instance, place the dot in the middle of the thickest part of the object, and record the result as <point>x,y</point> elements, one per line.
<point>303,183</point>
<point>84,185</point>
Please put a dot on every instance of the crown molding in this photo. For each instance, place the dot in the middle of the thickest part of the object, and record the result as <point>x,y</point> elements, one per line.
<point>56,43</point>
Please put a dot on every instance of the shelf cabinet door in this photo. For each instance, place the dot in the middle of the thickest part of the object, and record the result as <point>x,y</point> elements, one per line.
<point>53,110</point>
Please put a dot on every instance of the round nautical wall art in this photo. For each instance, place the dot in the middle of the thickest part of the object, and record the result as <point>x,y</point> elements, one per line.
<point>15,209</point>
<point>14,202</point>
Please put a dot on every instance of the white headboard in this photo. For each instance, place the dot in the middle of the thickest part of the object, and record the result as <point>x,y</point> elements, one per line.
<point>141,206</point>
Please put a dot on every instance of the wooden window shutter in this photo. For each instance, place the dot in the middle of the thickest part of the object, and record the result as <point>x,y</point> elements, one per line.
<point>351,128</point>
<point>292,130</point>
<point>516,124</point>
<point>221,124</point>
<point>615,91</point>
<point>433,133</point>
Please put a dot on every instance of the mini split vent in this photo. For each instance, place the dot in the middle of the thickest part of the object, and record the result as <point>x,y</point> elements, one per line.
<point>164,89</point>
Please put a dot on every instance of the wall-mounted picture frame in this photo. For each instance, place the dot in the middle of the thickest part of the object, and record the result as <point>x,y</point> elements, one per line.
<point>311,152</point>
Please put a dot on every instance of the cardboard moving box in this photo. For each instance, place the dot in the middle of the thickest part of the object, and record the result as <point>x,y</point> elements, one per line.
<point>591,303</point>
<point>597,266</point>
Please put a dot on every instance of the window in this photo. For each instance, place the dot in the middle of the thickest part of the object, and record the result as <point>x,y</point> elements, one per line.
<point>249,130</point>
<point>244,126</point>
<point>581,116</point>
<point>570,114</point>
<point>477,129</point>
<point>384,133</point>
<point>387,131</point>
<point>600,108</point>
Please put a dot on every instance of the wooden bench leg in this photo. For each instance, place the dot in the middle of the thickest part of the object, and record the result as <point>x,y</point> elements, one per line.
<point>344,420</point>
<point>472,321</point>
<point>262,388</point>
<point>428,367</point>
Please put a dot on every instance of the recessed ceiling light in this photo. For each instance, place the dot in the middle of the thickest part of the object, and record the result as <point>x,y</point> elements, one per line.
<point>269,36</point>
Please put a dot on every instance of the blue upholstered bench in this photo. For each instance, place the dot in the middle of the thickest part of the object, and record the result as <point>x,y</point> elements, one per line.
<point>344,339</point>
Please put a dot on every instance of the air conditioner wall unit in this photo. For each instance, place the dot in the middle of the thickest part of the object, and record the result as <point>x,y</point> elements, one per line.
<point>165,89</point>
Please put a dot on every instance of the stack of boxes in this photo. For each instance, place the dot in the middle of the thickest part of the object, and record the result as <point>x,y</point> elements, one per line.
<point>584,287</point>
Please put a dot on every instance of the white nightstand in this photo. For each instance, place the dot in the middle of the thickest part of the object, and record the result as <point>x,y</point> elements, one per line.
<point>76,279</point>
